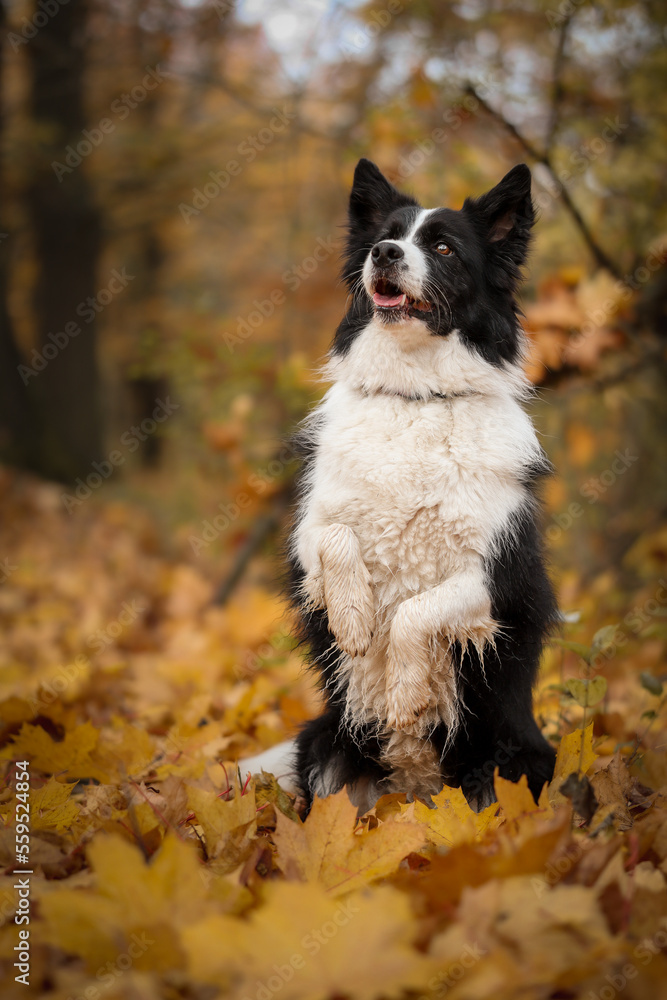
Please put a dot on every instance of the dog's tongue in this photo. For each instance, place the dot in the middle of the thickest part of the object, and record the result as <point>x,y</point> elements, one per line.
<point>388,300</point>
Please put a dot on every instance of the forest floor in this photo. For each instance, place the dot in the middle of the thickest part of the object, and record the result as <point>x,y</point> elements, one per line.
<point>156,871</point>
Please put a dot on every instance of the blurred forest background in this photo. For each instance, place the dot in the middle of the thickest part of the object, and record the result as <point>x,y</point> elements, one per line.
<point>174,178</point>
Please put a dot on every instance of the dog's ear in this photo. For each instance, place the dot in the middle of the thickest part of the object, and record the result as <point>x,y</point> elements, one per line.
<point>372,197</point>
<point>504,216</point>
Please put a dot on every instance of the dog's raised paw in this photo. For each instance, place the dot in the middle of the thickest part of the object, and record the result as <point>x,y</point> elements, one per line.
<point>351,626</point>
<point>312,590</point>
<point>407,702</point>
<point>348,592</point>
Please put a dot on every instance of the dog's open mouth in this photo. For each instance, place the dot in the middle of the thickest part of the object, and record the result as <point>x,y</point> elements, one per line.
<point>388,298</point>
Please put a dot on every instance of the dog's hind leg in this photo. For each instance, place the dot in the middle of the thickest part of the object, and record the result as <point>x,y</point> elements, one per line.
<point>458,610</point>
<point>329,757</point>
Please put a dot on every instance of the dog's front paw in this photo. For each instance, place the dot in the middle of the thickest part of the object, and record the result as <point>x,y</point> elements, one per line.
<point>405,718</point>
<point>348,592</point>
<point>480,633</point>
<point>408,692</point>
<point>407,681</point>
<point>351,615</point>
<point>312,591</point>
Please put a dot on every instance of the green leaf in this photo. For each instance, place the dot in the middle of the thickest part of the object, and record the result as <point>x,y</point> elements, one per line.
<point>597,689</point>
<point>578,690</point>
<point>574,647</point>
<point>587,692</point>
<point>604,638</point>
<point>651,683</point>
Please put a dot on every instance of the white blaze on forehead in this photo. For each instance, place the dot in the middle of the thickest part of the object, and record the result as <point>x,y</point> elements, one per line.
<point>414,270</point>
<point>422,216</point>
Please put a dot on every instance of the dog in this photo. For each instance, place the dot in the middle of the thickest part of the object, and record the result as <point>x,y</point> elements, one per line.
<point>416,565</point>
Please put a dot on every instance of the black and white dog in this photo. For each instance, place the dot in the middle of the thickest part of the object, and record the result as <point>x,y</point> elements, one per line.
<point>417,572</point>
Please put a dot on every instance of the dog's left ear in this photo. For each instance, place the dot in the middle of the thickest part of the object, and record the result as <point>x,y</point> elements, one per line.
<point>372,197</point>
<point>505,215</point>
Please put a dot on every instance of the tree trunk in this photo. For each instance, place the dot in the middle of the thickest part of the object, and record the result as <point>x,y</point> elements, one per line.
<point>17,429</point>
<point>67,239</point>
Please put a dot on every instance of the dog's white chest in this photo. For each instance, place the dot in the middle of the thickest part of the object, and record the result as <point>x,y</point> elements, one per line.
<point>424,485</point>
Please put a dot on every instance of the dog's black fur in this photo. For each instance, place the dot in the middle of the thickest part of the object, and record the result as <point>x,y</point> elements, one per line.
<point>490,236</point>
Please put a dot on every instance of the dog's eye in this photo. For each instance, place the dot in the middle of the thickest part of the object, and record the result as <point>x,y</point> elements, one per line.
<point>444,249</point>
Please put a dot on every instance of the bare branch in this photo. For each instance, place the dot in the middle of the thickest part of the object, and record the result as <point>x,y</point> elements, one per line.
<point>543,157</point>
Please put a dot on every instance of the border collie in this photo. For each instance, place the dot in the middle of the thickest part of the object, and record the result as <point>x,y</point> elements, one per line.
<point>416,564</point>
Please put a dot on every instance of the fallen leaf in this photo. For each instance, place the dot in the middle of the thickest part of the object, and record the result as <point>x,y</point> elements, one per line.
<point>326,849</point>
<point>575,753</point>
<point>612,785</point>
<point>452,821</point>
<point>228,826</point>
<point>308,946</point>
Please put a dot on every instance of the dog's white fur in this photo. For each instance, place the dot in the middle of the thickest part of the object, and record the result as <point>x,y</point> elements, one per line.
<point>402,503</point>
<point>414,272</point>
<point>420,446</point>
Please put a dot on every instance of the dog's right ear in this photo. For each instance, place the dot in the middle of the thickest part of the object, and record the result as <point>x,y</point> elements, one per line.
<point>372,197</point>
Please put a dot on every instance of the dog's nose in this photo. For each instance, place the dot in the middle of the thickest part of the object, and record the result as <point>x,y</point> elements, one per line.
<point>385,253</point>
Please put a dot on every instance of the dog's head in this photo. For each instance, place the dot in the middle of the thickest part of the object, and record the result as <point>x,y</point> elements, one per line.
<point>445,269</point>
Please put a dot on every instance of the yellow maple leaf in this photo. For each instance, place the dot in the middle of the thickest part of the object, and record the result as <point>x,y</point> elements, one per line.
<point>574,753</point>
<point>132,903</point>
<point>80,923</point>
<point>123,750</point>
<point>327,850</point>
<point>452,822</point>
<point>228,826</point>
<point>311,947</point>
<point>523,942</point>
<point>69,755</point>
<point>522,815</point>
<point>51,807</point>
<point>515,798</point>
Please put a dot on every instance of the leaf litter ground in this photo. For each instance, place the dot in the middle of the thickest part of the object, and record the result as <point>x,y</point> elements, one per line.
<point>161,872</point>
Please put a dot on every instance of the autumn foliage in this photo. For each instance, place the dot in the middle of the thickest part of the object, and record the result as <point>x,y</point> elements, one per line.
<point>160,871</point>
<point>167,292</point>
